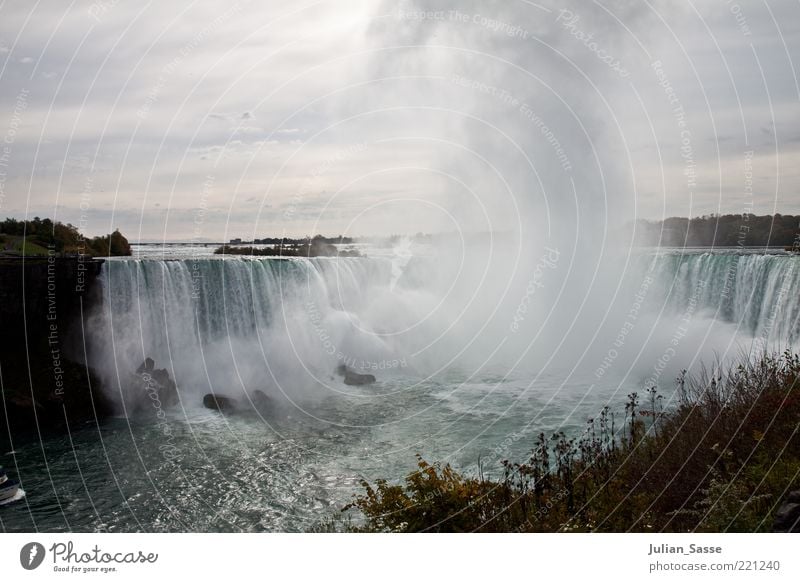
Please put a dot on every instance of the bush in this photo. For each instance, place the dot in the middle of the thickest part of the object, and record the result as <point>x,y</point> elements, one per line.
<point>35,237</point>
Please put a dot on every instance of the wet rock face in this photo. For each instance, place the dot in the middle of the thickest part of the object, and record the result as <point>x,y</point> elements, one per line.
<point>147,366</point>
<point>31,404</point>
<point>258,402</point>
<point>46,381</point>
<point>221,403</point>
<point>352,378</point>
<point>787,518</point>
<point>151,389</point>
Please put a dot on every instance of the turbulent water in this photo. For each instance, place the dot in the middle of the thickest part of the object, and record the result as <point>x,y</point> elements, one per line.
<point>281,326</point>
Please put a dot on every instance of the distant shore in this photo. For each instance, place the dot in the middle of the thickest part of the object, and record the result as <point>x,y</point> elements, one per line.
<point>314,248</point>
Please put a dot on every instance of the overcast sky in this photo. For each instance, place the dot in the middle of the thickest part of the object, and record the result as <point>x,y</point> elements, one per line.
<point>214,120</point>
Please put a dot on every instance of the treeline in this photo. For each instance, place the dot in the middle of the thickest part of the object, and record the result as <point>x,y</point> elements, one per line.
<point>35,237</point>
<point>316,248</point>
<point>727,230</point>
<point>339,240</point>
<point>336,240</point>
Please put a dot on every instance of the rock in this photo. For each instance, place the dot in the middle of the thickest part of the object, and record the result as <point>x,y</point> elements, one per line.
<point>147,366</point>
<point>352,378</point>
<point>217,402</point>
<point>787,518</point>
<point>151,389</point>
<point>161,376</point>
<point>168,392</point>
<point>39,393</point>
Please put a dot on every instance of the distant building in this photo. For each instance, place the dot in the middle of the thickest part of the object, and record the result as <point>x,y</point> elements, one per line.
<point>236,241</point>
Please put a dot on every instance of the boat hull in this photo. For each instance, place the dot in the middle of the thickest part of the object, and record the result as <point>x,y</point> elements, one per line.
<point>20,494</point>
<point>8,490</point>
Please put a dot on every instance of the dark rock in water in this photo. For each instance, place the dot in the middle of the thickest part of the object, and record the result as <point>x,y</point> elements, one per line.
<point>147,366</point>
<point>352,378</point>
<point>162,377</point>
<point>787,518</point>
<point>221,403</point>
<point>152,390</point>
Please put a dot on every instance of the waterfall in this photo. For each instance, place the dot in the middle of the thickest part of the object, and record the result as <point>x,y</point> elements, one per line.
<point>757,292</point>
<point>239,324</point>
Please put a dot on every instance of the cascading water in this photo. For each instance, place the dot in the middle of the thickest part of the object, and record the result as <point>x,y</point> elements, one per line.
<point>755,292</point>
<point>240,324</point>
<point>236,325</point>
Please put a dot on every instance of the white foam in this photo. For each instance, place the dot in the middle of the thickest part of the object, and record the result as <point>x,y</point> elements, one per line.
<point>20,494</point>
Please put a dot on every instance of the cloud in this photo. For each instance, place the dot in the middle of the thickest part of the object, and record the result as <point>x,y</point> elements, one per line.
<point>463,111</point>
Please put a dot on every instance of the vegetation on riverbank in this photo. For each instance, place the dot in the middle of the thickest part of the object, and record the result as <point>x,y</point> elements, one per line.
<point>721,460</point>
<point>37,237</point>
<point>727,230</point>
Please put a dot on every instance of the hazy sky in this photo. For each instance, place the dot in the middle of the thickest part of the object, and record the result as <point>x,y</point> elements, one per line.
<point>216,120</point>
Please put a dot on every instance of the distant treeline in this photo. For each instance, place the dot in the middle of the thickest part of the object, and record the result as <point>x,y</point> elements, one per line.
<point>315,248</point>
<point>36,237</point>
<point>727,230</point>
<point>334,240</point>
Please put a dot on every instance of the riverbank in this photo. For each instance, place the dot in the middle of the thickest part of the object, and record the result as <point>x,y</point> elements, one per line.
<point>46,382</point>
<point>724,460</point>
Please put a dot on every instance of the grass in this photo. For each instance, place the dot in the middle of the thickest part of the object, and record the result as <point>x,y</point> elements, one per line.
<point>721,460</point>
<point>22,246</point>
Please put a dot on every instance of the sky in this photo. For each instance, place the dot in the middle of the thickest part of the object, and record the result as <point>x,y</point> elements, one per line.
<point>217,120</point>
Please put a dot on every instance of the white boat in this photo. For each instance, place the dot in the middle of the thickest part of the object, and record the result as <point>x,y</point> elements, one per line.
<point>9,489</point>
